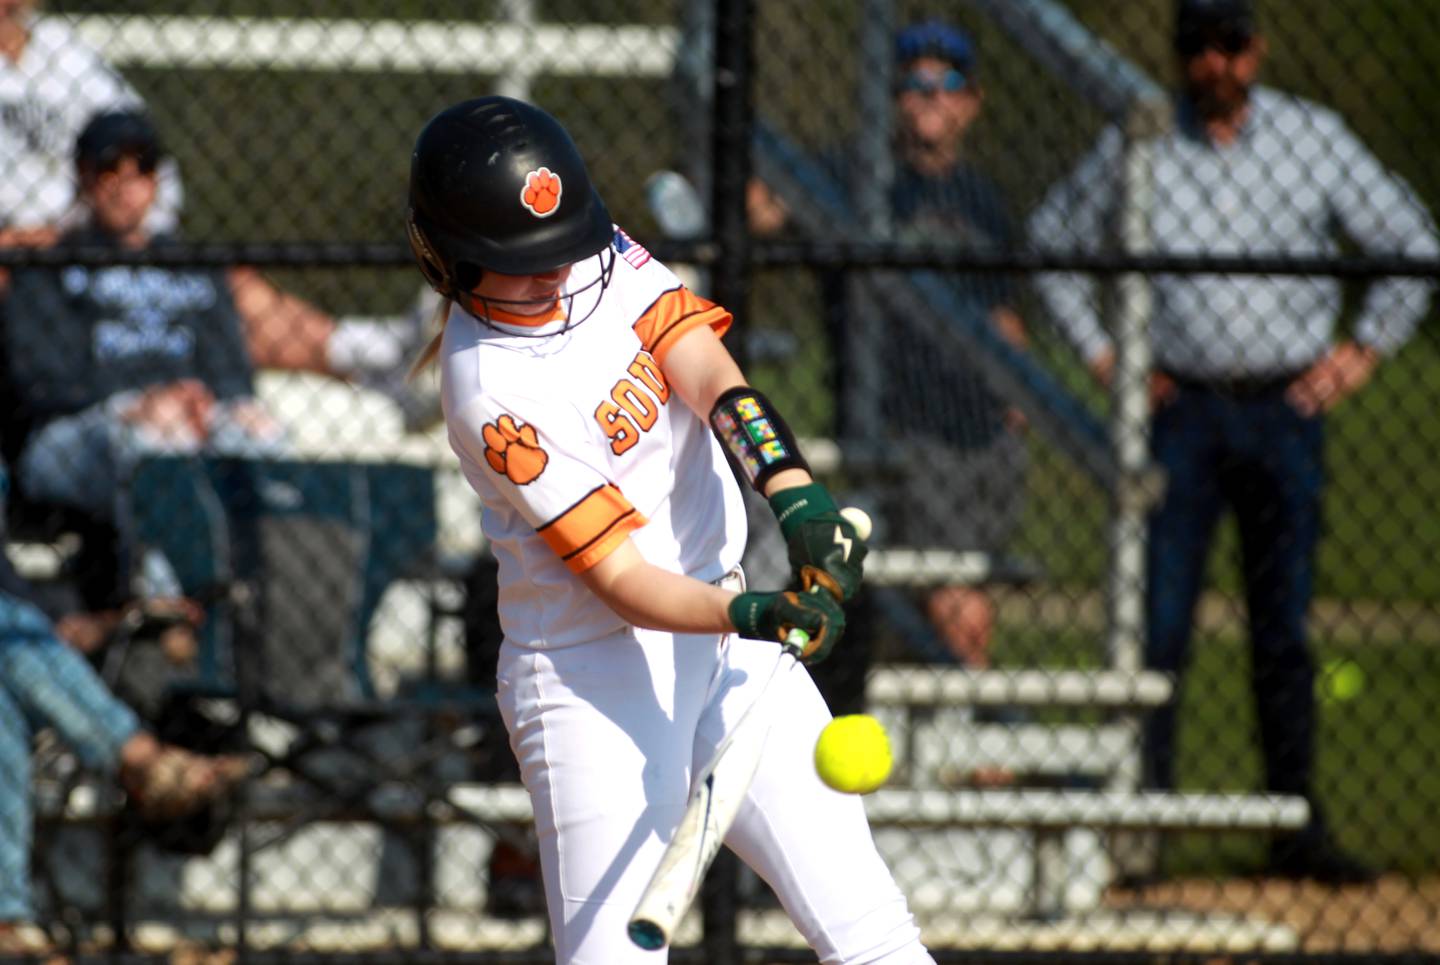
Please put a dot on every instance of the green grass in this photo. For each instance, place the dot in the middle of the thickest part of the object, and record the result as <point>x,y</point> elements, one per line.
<point>1377,753</point>
<point>1382,508</point>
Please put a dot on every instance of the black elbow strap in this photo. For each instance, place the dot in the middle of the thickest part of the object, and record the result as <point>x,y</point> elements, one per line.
<point>754,435</point>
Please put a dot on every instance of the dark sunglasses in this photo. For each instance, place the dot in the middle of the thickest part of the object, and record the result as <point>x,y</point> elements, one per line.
<point>923,82</point>
<point>145,160</point>
<point>1229,41</point>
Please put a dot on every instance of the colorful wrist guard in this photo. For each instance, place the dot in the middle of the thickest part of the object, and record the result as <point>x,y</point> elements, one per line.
<point>756,438</point>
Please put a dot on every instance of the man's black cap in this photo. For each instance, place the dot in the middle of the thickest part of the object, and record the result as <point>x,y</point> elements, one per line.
<point>110,136</point>
<point>1200,16</point>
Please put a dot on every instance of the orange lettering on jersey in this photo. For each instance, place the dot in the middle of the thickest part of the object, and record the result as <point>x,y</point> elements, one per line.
<point>588,531</point>
<point>514,450</point>
<point>617,425</point>
<point>631,409</point>
<point>673,314</point>
<point>642,408</point>
<point>645,369</point>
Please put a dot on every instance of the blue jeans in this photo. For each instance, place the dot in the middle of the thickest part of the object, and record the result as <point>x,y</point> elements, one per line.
<point>1259,457</point>
<point>44,683</point>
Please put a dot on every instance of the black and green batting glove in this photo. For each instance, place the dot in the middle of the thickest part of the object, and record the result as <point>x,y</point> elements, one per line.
<point>771,616</point>
<point>823,545</point>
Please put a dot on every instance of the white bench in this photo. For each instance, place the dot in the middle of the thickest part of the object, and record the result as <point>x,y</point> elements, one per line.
<point>1048,809</point>
<point>1036,874</point>
<point>1058,810</point>
<point>927,709</point>
<point>911,567</point>
<point>938,566</point>
<point>1063,750</point>
<point>931,686</point>
<point>1053,841</point>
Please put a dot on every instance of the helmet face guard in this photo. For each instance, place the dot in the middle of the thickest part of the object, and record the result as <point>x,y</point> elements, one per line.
<point>498,185</point>
<point>591,292</point>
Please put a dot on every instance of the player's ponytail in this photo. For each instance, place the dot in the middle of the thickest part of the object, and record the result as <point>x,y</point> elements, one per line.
<point>432,348</point>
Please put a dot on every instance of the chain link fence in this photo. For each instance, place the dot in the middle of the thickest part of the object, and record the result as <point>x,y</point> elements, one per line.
<point>1118,322</point>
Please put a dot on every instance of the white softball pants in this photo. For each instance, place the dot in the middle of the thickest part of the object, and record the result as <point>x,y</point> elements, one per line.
<point>608,735</point>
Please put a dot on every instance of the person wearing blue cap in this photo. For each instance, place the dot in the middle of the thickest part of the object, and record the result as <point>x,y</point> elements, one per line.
<point>953,426</point>
<point>936,102</point>
<point>943,420</point>
<point>1246,365</point>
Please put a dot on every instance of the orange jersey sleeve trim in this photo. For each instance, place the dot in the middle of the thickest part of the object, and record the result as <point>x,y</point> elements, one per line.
<point>589,531</point>
<point>673,314</point>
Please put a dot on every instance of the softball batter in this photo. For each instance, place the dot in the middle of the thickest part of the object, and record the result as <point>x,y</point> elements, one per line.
<point>593,407</point>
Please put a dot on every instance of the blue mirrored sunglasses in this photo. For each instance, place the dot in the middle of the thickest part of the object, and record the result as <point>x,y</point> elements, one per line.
<point>925,82</point>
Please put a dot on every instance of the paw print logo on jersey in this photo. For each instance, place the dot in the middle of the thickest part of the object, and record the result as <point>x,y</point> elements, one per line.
<point>541,194</point>
<point>514,450</point>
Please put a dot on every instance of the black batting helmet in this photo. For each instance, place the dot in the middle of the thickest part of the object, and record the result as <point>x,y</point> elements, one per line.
<point>498,184</point>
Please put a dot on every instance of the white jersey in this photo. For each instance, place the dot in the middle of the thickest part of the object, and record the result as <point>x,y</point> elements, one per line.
<point>46,99</point>
<point>574,441</point>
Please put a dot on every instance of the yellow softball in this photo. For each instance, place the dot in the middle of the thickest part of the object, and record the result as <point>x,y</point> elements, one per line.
<point>853,754</point>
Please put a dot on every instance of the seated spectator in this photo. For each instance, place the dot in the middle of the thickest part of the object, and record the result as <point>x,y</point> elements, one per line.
<point>51,84</point>
<point>46,683</point>
<point>102,366</point>
<point>108,364</point>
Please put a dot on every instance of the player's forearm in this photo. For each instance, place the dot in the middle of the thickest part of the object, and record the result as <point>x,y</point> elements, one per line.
<point>646,595</point>
<point>786,479</point>
<point>660,600</point>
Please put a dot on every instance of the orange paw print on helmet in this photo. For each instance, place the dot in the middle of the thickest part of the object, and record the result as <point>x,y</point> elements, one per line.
<point>514,451</point>
<point>541,195</point>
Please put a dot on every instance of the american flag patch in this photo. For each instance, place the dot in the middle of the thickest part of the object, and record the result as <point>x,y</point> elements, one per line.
<point>634,253</point>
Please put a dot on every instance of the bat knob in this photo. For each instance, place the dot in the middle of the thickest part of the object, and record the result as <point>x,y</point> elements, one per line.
<point>646,935</point>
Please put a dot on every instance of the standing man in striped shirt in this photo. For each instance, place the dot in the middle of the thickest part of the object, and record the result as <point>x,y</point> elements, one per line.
<point>1246,365</point>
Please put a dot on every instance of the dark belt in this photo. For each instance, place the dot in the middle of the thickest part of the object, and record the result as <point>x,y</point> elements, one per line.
<point>1245,387</point>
